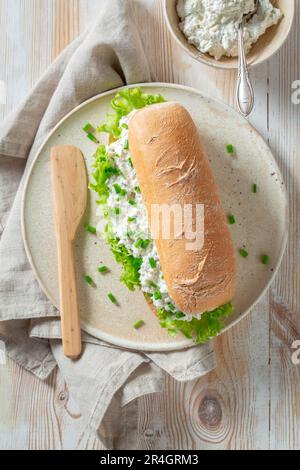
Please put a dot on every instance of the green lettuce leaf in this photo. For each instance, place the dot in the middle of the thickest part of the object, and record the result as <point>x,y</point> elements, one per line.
<point>104,169</point>
<point>207,327</point>
<point>131,265</point>
<point>123,103</point>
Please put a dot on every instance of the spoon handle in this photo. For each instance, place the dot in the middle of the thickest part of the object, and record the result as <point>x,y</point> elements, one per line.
<point>244,90</point>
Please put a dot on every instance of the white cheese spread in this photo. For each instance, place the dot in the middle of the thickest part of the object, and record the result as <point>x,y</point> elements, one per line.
<point>212,25</point>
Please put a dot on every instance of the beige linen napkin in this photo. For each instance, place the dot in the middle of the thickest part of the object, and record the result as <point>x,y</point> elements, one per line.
<point>105,378</point>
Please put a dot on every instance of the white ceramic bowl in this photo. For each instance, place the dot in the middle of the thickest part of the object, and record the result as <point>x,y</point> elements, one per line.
<point>265,47</point>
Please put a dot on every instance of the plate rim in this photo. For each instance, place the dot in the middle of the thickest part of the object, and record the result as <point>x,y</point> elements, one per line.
<point>185,344</point>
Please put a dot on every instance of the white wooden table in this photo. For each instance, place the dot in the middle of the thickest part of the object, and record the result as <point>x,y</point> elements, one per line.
<point>252,399</point>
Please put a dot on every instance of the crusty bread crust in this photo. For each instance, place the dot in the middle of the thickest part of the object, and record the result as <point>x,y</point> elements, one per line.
<point>172,168</point>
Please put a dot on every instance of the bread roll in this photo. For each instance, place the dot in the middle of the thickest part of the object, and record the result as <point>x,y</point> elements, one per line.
<point>172,168</point>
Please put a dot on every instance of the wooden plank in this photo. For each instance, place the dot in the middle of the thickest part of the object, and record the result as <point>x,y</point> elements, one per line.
<point>7,406</point>
<point>285,293</point>
<point>227,409</point>
<point>34,414</point>
<point>66,24</point>
<point>25,29</point>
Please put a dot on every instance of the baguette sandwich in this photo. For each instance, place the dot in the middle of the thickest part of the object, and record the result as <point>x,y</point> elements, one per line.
<point>156,159</point>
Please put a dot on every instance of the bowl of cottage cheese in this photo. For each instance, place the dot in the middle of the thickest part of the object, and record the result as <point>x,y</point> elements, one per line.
<point>208,29</point>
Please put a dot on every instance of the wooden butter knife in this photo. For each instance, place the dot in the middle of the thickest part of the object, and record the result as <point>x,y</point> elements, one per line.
<point>69,183</point>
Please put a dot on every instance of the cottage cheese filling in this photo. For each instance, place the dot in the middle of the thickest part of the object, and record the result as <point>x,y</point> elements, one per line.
<point>212,25</point>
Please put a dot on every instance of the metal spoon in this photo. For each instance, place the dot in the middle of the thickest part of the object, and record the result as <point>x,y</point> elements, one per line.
<point>244,89</point>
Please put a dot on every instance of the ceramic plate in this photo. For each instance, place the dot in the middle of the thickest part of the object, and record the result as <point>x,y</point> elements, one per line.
<point>260,219</point>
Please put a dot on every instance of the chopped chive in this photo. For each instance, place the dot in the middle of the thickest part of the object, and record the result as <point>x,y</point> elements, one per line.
<point>131,219</point>
<point>103,269</point>
<point>230,148</point>
<point>138,324</point>
<point>126,145</point>
<point>171,306</point>
<point>93,138</point>
<point>179,315</point>
<point>138,189</point>
<point>146,243</point>
<point>130,162</point>
<point>89,129</point>
<point>89,280</point>
<point>131,202</point>
<point>243,253</point>
<point>157,295</point>
<point>265,259</point>
<point>125,126</point>
<point>117,210</point>
<point>254,188</point>
<point>111,171</point>
<point>90,228</point>
<point>138,244</point>
<point>152,284</point>
<point>142,243</point>
<point>112,298</point>
<point>231,219</point>
<point>152,263</point>
<point>119,190</point>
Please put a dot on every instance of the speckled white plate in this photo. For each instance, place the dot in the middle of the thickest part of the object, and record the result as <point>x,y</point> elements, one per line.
<point>261,219</point>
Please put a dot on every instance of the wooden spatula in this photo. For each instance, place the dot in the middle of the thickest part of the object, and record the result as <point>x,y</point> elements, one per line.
<point>69,182</point>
